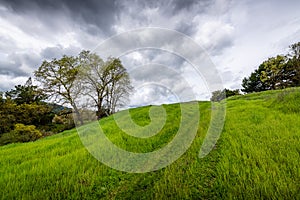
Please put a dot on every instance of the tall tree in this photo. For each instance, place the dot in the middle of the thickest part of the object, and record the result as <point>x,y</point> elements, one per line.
<point>274,73</point>
<point>294,63</point>
<point>106,83</point>
<point>119,87</point>
<point>254,83</point>
<point>58,78</point>
<point>27,93</point>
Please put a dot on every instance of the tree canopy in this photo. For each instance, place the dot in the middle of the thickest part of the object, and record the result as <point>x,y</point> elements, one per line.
<point>277,72</point>
<point>71,79</point>
<point>222,94</point>
<point>27,93</point>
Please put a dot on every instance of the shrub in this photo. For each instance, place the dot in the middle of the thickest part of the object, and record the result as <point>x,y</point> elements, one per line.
<point>21,133</point>
<point>58,120</point>
<point>26,133</point>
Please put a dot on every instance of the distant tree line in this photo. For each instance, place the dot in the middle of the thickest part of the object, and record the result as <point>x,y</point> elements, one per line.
<point>222,94</point>
<point>278,72</point>
<point>84,82</point>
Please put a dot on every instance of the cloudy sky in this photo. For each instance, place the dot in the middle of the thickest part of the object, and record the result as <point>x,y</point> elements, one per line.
<point>236,35</point>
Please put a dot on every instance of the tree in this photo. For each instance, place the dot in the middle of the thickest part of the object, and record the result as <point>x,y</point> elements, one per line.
<point>106,83</point>
<point>230,93</point>
<point>294,63</point>
<point>274,73</point>
<point>222,94</point>
<point>58,78</point>
<point>253,83</point>
<point>119,87</point>
<point>218,95</point>
<point>277,72</point>
<point>7,116</point>
<point>27,93</point>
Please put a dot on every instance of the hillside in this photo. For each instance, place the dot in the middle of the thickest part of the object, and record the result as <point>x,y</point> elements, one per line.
<point>257,157</point>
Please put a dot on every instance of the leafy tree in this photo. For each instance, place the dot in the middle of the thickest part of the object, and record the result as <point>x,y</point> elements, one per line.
<point>274,73</point>
<point>72,79</point>
<point>254,83</point>
<point>34,114</point>
<point>277,72</point>
<point>58,78</point>
<point>218,95</point>
<point>27,93</point>
<point>28,114</point>
<point>222,94</point>
<point>1,97</point>
<point>294,64</point>
<point>7,116</point>
<point>106,83</point>
<point>230,93</point>
<point>119,87</point>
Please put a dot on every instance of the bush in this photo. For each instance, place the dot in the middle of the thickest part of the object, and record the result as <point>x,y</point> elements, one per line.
<point>8,138</point>
<point>58,120</point>
<point>21,133</point>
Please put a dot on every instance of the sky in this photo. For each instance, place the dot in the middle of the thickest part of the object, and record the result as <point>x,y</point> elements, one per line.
<point>236,35</point>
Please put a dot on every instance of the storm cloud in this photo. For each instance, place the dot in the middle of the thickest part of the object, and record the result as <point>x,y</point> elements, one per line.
<point>237,35</point>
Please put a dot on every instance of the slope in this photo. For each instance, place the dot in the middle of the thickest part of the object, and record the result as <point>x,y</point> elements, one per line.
<point>257,156</point>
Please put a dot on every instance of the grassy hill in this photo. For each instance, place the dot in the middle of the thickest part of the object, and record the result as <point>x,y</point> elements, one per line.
<point>257,157</point>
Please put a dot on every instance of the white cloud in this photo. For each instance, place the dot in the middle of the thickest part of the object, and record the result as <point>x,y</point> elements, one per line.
<point>238,36</point>
<point>214,36</point>
<point>8,82</point>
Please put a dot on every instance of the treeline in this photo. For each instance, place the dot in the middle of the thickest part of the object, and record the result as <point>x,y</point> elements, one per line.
<point>279,72</point>
<point>85,83</point>
<point>25,116</point>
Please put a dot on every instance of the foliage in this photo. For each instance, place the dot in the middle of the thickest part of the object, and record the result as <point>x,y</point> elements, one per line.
<point>253,83</point>
<point>29,114</point>
<point>106,83</point>
<point>218,95</point>
<point>27,93</point>
<point>72,79</point>
<point>257,157</point>
<point>7,116</point>
<point>24,105</point>
<point>21,133</point>
<point>275,73</point>
<point>222,94</point>
<point>58,78</point>
<point>294,63</point>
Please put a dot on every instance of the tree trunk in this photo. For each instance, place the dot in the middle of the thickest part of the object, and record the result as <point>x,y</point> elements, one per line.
<point>79,118</point>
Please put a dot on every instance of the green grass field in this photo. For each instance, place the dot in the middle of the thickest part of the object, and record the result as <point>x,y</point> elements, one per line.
<point>256,157</point>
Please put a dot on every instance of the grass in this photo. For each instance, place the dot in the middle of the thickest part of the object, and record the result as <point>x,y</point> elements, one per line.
<point>257,157</point>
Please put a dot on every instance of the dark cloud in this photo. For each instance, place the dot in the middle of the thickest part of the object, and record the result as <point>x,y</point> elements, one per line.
<point>19,64</point>
<point>11,68</point>
<point>201,6</point>
<point>34,30</point>
<point>186,28</point>
<point>102,13</point>
<point>58,51</point>
<point>172,7</point>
